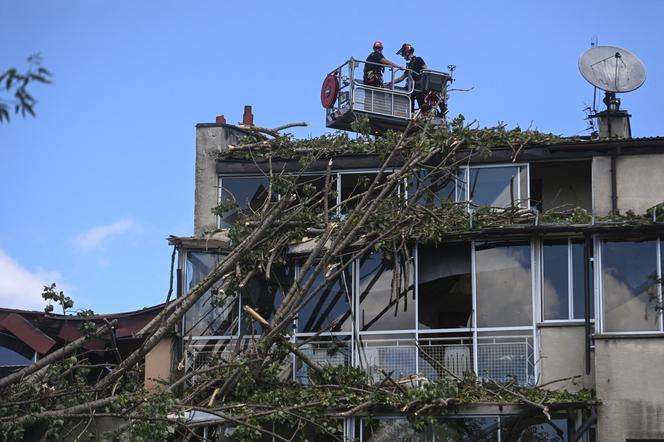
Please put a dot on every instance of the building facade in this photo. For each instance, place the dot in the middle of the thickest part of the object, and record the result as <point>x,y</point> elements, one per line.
<point>565,304</point>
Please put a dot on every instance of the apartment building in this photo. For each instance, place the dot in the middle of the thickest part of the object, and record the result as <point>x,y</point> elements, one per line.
<point>566,304</point>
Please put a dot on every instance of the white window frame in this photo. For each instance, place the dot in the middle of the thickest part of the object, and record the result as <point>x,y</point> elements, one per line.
<point>599,290</point>
<point>465,170</point>
<point>570,284</point>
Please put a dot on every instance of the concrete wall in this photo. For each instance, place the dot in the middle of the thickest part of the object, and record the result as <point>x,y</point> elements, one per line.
<point>159,364</point>
<point>630,385</point>
<point>640,183</point>
<point>211,139</point>
<point>562,355</point>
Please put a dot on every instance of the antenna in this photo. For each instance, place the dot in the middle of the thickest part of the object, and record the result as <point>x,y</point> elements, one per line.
<point>614,70</point>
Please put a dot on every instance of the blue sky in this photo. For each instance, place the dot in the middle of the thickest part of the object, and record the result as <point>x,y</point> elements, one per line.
<point>93,186</point>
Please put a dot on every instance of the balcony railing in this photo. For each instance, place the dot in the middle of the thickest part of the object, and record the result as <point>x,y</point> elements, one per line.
<point>499,358</point>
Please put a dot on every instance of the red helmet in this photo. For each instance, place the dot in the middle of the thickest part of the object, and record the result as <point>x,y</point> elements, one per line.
<point>406,48</point>
<point>377,45</point>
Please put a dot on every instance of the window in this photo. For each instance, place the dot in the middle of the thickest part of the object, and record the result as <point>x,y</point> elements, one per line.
<point>214,314</point>
<point>311,188</point>
<point>503,284</point>
<point>329,308</point>
<point>247,192</point>
<point>500,186</point>
<point>264,295</point>
<point>630,287</point>
<point>444,286</point>
<point>353,185</point>
<point>385,305</point>
<point>14,354</point>
<point>434,187</point>
<point>562,280</point>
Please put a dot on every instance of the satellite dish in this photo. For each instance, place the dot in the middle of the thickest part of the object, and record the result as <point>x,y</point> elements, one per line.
<point>612,69</point>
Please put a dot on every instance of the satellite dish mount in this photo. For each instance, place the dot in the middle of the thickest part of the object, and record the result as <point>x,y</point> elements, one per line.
<point>613,70</point>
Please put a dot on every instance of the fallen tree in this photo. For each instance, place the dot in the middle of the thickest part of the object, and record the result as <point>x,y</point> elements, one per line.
<point>247,390</point>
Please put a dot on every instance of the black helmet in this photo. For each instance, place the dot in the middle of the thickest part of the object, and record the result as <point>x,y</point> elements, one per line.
<point>378,45</point>
<point>406,48</point>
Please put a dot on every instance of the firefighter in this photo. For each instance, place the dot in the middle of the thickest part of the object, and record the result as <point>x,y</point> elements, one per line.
<point>373,74</point>
<point>415,65</point>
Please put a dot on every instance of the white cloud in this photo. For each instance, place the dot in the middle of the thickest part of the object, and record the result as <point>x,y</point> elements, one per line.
<point>21,288</point>
<point>95,237</point>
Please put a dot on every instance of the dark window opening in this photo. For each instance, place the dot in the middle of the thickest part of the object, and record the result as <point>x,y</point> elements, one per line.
<point>264,296</point>
<point>444,285</point>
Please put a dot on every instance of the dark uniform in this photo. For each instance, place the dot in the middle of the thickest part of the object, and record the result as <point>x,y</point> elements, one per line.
<point>416,64</point>
<point>373,74</point>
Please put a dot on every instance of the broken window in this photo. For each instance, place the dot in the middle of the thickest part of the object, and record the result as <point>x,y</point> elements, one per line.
<point>562,280</point>
<point>499,186</point>
<point>444,286</point>
<point>264,295</point>
<point>386,296</point>
<point>503,284</point>
<point>561,185</point>
<point>630,285</point>
<point>329,307</point>
<point>248,193</point>
<point>215,313</point>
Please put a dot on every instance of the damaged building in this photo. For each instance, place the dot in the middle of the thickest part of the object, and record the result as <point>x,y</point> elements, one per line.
<point>567,305</point>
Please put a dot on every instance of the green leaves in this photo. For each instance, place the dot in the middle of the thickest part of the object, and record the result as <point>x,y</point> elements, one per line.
<point>14,88</point>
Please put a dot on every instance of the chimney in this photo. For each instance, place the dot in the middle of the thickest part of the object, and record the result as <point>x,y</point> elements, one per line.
<point>613,122</point>
<point>247,117</point>
<point>220,119</point>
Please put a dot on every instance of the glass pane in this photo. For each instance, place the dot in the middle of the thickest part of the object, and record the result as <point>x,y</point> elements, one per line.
<point>389,430</point>
<point>444,284</point>
<point>577,282</point>
<point>629,279</point>
<point>434,187</point>
<point>353,185</point>
<point>329,308</point>
<point>9,357</point>
<point>386,302</point>
<point>247,192</point>
<point>213,314</point>
<point>264,296</point>
<point>504,287</point>
<point>494,186</point>
<point>479,429</point>
<point>555,289</point>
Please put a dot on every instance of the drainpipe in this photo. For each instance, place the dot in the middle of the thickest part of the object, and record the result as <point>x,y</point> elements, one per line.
<point>586,297</point>
<point>614,184</point>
